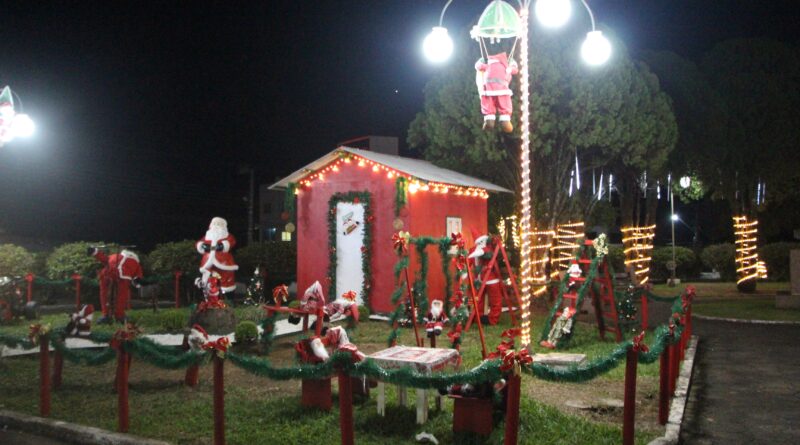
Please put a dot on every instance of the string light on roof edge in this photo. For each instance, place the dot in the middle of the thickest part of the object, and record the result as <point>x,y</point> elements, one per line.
<point>748,266</point>
<point>638,243</point>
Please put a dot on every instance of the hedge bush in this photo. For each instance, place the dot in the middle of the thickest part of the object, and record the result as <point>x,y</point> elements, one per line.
<point>616,257</point>
<point>71,258</point>
<point>685,259</point>
<point>15,260</point>
<point>168,257</point>
<point>278,257</point>
<point>246,332</point>
<point>173,320</point>
<point>776,256</point>
<point>722,258</point>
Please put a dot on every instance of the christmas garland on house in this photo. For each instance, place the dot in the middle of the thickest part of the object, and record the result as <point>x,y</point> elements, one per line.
<point>363,198</point>
<point>400,195</point>
<point>289,201</point>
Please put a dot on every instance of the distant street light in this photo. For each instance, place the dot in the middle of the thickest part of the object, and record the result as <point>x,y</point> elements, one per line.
<point>12,123</point>
<point>684,182</point>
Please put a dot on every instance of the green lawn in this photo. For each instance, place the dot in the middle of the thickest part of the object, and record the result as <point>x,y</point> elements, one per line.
<point>259,410</point>
<point>723,300</point>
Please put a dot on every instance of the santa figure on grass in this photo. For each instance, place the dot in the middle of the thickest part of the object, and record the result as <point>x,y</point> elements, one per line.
<point>216,250</point>
<point>119,271</point>
<point>479,257</point>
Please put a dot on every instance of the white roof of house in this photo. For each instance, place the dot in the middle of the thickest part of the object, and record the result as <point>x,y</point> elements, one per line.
<point>417,168</point>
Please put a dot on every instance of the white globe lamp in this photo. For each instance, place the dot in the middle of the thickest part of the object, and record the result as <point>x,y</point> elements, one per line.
<point>23,126</point>
<point>596,49</point>
<point>685,182</point>
<point>553,13</point>
<point>437,46</point>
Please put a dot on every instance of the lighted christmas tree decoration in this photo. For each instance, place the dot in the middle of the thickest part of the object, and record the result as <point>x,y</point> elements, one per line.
<point>565,245</point>
<point>638,242</point>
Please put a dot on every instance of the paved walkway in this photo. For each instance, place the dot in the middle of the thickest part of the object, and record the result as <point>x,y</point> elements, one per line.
<point>9,437</point>
<point>746,385</point>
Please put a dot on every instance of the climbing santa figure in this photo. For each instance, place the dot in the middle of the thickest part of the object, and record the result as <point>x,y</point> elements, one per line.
<point>493,77</point>
<point>479,257</point>
<point>216,250</point>
<point>119,271</point>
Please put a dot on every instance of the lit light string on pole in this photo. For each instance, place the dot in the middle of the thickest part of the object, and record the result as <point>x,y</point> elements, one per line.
<point>566,243</point>
<point>502,229</point>
<point>638,243</point>
<point>748,266</point>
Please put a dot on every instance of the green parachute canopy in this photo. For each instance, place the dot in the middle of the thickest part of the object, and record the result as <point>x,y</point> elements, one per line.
<point>498,21</point>
<point>5,97</point>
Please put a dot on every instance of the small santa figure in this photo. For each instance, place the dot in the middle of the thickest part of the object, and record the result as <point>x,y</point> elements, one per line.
<point>197,338</point>
<point>80,323</point>
<point>346,305</point>
<point>493,76</point>
<point>120,270</point>
<point>216,250</point>
<point>435,319</point>
<point>314,349</point>
<point>479,257</point>
<point>574,271</point>
<point>561,327</point>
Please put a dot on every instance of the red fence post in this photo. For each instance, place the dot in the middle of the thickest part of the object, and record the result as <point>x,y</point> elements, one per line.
<point>645,313</point>
<point>29,278</point>
<point>663,387</point>
<point>177,288</point>
<point>629,409</point>
<point>512,410</point>
<point>192,375</point>
<point>44,376</point>
<point>122,390</point>
<point>346,408</point>
<point>77,279</point>
<point>674,361</point>
<point>58,366</point>
<point>219,400</point>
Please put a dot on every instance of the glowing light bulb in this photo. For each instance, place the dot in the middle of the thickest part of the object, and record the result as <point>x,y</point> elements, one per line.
<point>553,13</point>
<point>437,46</point>
<point>596,49</point>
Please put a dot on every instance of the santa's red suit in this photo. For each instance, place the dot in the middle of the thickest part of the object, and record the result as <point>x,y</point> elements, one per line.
<point>119,269</point>
<point>216,250</point>
<point>435,318</point>
<point>479,258</point>
<point>493,76</point>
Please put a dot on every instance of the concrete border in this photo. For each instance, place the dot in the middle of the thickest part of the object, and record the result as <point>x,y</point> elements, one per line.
<point>678,405</point>
<point>744,320</point>
<point>70,432</point>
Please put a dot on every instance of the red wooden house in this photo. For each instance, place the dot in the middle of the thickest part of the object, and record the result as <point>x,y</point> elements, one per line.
<point>351,201</point>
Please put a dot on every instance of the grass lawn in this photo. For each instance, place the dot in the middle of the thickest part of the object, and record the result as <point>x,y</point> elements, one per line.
<point>723,300</point>
<point>259,410</point>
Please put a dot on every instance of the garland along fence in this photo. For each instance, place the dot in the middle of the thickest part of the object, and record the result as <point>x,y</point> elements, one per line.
<point>669,342</point>
<point>77,280</point>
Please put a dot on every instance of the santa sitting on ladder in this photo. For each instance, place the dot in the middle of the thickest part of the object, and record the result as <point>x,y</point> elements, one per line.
<point>479,257</point>
<point>216,250</point>
<point>435,319</point>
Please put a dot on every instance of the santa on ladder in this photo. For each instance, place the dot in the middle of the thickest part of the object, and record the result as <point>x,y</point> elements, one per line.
<point>479,257</point>
<point>216,250</point>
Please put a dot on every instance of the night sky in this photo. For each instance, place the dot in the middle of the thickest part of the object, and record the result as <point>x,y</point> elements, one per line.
<point>146,110</point>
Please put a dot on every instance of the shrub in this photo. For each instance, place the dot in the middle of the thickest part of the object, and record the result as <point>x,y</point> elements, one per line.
<point>776,255</point>
<point>246,332</point>
<point>252,313</point>
<point>685,259</point>
<point>616,257</point>
<point>278,257</point>
<point>15,260</point>
<point>168,257</point>
<point>71,258</point>
<point>363,313</point>
<point>720,257</point>
<point>173,320</point>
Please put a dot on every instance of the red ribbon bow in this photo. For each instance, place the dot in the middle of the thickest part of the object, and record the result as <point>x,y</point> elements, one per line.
<point>457,240</point>
<point>512,359</point>
<point>638,343</point>
<point>128,333</point>
<point>461,262</point>
<point>511,333</point>
<point>455,334</point>
<point>280,293</point>
<point>457,299</point>
<point>219,345</point>
<point>36,331</point>
<point>211,304</point>
<point>399,243</point>
<point>349,295</point>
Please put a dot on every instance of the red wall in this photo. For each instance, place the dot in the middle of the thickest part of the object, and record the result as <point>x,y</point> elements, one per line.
<point>426,216</point>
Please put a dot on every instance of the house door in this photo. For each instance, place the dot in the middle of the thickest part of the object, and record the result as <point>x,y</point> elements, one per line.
<point>349,240</point>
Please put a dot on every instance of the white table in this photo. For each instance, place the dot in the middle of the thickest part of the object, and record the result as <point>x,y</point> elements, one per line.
<point>423,360</point>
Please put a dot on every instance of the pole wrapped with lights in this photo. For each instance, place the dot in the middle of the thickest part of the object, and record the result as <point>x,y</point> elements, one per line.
<point>748,266</point>
<point>566,243</point>
<point>638,243</point>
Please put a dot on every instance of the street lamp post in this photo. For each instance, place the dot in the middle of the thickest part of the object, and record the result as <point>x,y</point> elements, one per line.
<point>595,50</point>
<point>672,218</point>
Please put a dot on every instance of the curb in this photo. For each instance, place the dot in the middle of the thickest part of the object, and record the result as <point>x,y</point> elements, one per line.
<point>70,432</point>
<point>678,405</point>
<point>743,320</point>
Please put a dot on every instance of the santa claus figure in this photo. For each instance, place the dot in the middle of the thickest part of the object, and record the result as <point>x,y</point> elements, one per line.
<point>80,323</point>
<point>197,338</point>
<point>216,250</point>
<point>493,76</point>
<point>479,257</point>
<point>345,305</point>
<point>435,319</point>
<point>574,273</point>
<point>119,271</point>
<point>314,349</point>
